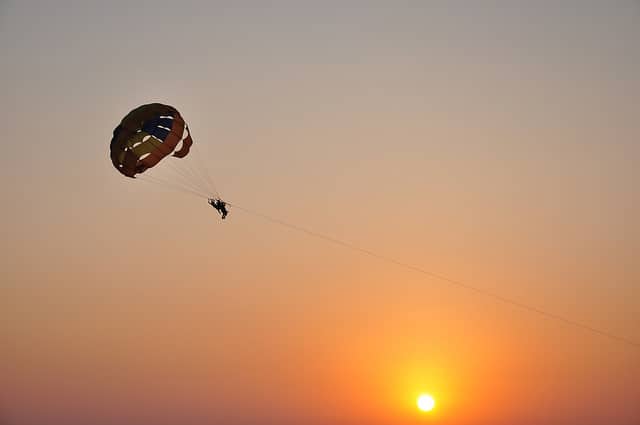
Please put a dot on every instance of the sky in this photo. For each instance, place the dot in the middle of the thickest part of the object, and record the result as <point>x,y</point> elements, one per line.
<point>495,143</point>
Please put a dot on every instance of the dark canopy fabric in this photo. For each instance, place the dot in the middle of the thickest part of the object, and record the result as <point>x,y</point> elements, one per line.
<point>146,135</point>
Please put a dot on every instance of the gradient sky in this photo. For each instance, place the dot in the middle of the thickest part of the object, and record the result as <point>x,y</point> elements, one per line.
<point>495,143</point>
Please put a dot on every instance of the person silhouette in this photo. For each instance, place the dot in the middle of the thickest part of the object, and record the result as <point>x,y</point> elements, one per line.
<point>220,206</point>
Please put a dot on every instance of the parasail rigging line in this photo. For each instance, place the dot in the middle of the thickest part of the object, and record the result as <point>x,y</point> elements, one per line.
<point>172,185</point>
<point>191,178</point>
<point>450,281</point>
<point>204,170</point>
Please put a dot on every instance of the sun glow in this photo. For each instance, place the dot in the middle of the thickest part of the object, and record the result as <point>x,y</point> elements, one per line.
<point>426,403</point>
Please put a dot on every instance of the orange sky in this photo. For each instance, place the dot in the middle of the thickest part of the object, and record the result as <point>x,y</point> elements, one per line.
<point>494,145</point>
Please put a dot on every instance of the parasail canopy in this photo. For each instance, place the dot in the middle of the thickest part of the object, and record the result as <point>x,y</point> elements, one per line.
<point>146,135</point>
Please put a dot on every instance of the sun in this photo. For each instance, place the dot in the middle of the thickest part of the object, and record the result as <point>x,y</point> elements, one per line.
<point>426,403</point>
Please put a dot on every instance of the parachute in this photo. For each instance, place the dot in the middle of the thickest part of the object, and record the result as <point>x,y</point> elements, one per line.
<point>156,134</point>
<point>146,135</point>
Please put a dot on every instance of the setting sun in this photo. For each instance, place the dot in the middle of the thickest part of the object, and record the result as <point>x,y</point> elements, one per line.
<point>426,403</point>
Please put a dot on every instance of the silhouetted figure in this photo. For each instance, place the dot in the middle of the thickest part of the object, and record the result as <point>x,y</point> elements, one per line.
<point>220,206</point>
